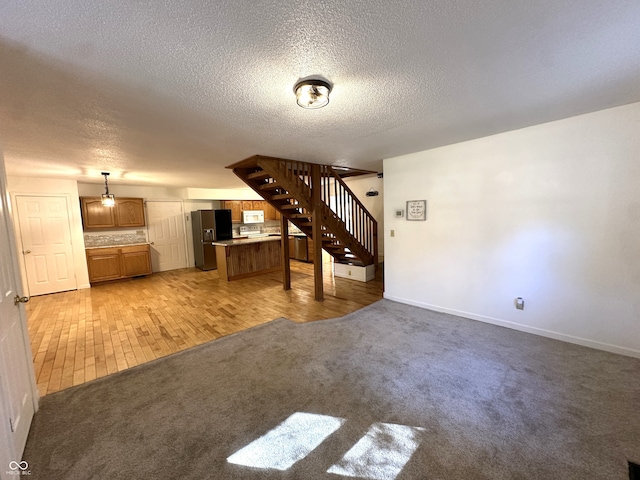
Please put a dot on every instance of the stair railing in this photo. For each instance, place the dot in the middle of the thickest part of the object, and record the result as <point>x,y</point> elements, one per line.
<point>357,219</point>
<point>345,205</point>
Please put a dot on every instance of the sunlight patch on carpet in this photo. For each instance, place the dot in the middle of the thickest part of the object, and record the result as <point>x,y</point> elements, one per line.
<point>288,443</point>
<point>381,454</point>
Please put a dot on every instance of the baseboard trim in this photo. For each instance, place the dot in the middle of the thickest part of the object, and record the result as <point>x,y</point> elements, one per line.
<point>585,342</point>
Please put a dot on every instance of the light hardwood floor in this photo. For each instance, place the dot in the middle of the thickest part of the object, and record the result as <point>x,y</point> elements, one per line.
<point>82,335</point>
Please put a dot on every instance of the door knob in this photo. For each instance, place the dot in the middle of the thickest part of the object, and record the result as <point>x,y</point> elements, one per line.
<point>18,299</point>
<point>152,243</point>
<point>27,251</point>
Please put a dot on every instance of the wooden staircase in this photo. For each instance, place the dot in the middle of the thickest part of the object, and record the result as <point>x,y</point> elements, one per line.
<point>316,199</point>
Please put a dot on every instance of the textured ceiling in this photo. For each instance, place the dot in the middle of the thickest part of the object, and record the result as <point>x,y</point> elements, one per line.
<point>169,92</point>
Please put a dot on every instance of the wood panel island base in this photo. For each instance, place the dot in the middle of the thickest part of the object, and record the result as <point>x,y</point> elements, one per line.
<point>247,257</point>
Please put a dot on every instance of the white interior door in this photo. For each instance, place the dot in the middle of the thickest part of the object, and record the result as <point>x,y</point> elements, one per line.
<point>45,234</point>
<point>165,221</point>
<point>17,383</point>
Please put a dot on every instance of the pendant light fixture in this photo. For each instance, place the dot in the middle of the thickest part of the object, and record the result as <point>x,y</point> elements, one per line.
<point>108,199</point>
<point>312,93</point>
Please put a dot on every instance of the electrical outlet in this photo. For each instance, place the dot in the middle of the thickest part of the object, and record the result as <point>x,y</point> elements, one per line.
<point>520,303</point>
<point>393,233</point>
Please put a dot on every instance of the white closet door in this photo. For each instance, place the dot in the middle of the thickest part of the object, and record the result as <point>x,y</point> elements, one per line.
<point>165,220</point>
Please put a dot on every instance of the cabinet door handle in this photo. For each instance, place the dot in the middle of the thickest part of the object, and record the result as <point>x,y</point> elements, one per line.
<point>27,251</point>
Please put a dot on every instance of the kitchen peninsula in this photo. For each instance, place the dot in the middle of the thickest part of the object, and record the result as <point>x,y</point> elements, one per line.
<point>246,257</point>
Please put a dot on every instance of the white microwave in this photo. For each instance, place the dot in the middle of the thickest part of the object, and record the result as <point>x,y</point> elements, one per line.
<point>253,216</point>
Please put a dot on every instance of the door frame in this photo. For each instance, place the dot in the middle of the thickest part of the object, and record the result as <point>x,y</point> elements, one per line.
<point>7,217</point>
<point>184,223</point>
<point>18,234</point>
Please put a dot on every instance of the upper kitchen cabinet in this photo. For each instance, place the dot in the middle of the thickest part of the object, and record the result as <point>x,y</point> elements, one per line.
<point>236,209</point>
<point>94,215</point>
<point>130,212</point>
<point>237,206</point>
<point>127,213</point>
<point>270,213</point>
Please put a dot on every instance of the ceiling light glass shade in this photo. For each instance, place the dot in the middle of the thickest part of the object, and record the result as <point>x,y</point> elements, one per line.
<point>108,200</point>
<point>312,93</point>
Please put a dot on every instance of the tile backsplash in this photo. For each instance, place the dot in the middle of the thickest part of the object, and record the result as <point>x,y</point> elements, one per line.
<point>270,226</point>
<point>114,239</point>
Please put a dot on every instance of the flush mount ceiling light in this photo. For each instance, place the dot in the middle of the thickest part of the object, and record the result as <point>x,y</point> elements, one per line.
<point>108,199</point>
<point>312,93</point>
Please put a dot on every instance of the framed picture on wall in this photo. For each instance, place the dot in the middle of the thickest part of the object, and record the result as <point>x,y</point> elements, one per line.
<point>417,210</point>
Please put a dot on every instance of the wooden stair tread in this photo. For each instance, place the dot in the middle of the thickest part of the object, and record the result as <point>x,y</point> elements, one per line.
<point>260,174</point>
<point>270,186</point>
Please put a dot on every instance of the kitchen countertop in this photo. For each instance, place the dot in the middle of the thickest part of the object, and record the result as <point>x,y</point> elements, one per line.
<point>244,241</point>
<point>120,245</point>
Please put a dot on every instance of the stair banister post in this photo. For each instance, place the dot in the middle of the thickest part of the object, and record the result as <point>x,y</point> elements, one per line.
<point>374,229</point>
<point>316,233</point>
<point>284,249</point>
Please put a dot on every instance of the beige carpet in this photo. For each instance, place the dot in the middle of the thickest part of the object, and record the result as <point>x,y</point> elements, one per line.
<point>390,391</point>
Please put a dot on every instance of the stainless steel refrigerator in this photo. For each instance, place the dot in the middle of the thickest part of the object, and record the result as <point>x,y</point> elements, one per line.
<point>209,226</point>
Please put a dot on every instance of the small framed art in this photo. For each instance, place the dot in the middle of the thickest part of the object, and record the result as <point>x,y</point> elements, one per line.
<point>417,210</point>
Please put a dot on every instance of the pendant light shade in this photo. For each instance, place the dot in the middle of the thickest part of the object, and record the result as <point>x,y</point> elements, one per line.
<point>312,93</point>
<point>108,199</point>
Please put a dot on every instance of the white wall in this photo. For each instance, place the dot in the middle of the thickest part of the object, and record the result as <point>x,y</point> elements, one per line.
<point>135,191</point>
<point>550,213</point>
<point>46,186</point>
<point>245,193</point>
<point>360,186</point>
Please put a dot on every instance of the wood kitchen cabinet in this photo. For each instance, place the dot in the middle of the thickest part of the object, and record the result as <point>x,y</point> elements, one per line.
<point>237,206</point>
<point>104,264</point>
<point>310,250</point>
<point>127,213</point>
<point>136,260</point>
<point>270,213</point>
<point>292,247</point>
<point>112,263</point>
<point>130,212</point>
<point>94,215</point>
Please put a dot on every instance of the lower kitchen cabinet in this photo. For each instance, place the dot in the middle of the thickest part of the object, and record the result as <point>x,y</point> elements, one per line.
<point>292,247</point>
<point>136,261</point>
<point>112,263</point>
<point>104,264</point>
